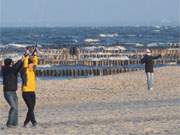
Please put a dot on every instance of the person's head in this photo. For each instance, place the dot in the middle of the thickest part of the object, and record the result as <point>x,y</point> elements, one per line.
<point>8,62</point>
<point>148,52</point>
<point>30,63</point>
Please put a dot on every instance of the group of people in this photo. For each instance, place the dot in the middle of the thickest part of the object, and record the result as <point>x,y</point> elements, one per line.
<point>26,66</point>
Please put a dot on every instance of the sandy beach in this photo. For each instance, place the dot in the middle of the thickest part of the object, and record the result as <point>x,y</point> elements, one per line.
<point>105,105</point>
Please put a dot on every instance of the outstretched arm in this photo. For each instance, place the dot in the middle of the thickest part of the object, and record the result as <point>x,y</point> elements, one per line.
<point>35,60</point>
<point>17,66</point>
<point>25,62</point>
<point>156,57</point>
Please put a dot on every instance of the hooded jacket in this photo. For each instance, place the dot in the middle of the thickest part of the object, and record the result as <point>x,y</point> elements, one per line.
<point>10,76</point>
<point>149,63</point>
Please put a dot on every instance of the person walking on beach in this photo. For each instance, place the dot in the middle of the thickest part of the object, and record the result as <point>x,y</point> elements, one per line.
<point>148,60</point>
<point>29,86</point>
<point>10,80</point>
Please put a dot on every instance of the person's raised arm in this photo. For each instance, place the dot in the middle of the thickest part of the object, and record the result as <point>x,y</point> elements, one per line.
<point>25,62</point>
<point>17,66</point>
<point>156,57</point>
<point>35,60</point>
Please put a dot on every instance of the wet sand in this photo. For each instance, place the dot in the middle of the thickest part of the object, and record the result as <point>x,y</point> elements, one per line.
<point>104,105</point>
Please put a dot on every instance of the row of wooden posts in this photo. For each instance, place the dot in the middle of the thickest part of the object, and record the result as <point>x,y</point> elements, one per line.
<point>106,62</point>
<point>95,70</point>
<point>82,72</point>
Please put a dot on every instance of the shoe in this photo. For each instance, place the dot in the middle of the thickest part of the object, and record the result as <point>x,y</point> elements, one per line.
<point>25,125</point>
<point>34,124</point>
<point>11,126</point>
<point>151,89</point>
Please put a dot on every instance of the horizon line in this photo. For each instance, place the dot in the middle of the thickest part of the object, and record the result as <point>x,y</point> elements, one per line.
<point>87,26</point>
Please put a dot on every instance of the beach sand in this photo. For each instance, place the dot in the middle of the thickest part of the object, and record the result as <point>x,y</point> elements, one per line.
<point>105,105</point>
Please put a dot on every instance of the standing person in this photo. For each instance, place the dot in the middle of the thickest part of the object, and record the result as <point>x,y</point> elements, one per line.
<point>10,75</point>
<point>148,60</point>
<point>29,87</point>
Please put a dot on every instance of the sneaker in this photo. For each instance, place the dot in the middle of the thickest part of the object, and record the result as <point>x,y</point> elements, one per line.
<point>151,89</point>
<point>25,125</point>
<point>11,126</point>
<point>34,124</point>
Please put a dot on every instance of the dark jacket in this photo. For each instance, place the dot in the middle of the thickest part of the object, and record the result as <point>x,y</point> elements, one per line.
<point>148,61</point>
<point>9,75</point>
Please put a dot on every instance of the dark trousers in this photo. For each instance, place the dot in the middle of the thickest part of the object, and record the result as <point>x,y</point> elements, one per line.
<point>12,100</point>
<point>30,100</point>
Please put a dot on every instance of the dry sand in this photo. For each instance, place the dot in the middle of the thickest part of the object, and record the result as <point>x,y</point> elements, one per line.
<point>104,105</point>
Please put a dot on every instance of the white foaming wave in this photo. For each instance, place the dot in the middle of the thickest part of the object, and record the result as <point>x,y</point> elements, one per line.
<point>139,45</point>
<point>157,31</point>
<point>91,40</point>
<point>17,45</point>
<point>157,27</point>
<point>152,44</point>
<point>75,40</point>
<point>108,35</point>
<point>44,66</point>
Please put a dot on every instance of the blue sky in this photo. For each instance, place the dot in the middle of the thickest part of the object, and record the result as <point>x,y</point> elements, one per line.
<point>89,12</point>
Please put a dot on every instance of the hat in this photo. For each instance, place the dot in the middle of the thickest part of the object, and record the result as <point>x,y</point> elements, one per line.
<point>148,51</point>
<point>8,61</point>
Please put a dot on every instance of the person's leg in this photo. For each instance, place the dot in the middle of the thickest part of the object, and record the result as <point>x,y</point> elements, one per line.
<point>11,98</point>
<point>26,98</point>
<point>151,80</point>
<point>33,102</point>
<point>16,110</point>
<point>148,80</point>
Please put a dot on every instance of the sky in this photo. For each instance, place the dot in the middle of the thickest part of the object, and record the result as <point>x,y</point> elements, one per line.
<point>52,13</point>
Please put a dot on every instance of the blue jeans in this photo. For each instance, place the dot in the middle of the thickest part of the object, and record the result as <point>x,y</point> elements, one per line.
<point>150,79</point>
<point>12,99</point>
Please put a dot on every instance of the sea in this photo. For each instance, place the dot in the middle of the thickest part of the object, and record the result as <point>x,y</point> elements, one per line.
<point>134,35</point>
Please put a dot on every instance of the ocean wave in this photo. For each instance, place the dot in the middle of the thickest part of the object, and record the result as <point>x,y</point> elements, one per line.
<point>152,45</point>
<point>156,31</point>
<point>131,35</point>
<point>17,45</point>
<point>139,45</point>
<point>108,35</point>
<point>91,40</point>
<point>157,27</point>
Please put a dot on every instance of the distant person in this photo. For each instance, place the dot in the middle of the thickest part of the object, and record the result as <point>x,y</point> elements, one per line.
<point>148,60</point>
<point>10,80</point>
<point>29,86</point>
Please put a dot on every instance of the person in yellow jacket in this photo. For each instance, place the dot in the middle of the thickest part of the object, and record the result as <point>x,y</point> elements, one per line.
<point>29,87</point>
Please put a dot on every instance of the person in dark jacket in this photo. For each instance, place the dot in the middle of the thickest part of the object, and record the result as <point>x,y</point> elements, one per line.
<point>9,75</point>
<point>148,60</point>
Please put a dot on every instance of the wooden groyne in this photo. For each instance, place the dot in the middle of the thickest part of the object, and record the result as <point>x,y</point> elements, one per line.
<point>80,72</point>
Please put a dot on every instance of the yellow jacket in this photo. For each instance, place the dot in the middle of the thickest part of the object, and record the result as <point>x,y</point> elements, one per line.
<point>29,77</point>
